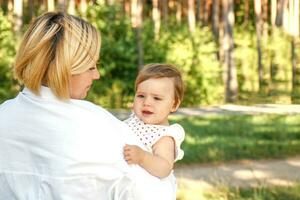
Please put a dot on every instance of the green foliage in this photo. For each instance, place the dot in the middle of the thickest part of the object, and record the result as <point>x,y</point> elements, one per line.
<point>118,60</point>
<point>7,53</point>
<point>212,139</point>
<point>194,54</point>
<point>197,58</point>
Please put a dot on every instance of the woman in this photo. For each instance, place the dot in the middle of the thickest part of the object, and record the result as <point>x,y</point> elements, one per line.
<point>53,145</point>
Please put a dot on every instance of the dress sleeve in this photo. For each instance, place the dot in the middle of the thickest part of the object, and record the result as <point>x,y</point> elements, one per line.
<point>177,132</point>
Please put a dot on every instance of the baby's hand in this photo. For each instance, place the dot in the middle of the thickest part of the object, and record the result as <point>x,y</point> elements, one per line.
<point>133,154</point>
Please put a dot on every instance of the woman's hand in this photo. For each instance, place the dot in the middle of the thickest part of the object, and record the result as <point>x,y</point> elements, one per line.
<point>133,154</point>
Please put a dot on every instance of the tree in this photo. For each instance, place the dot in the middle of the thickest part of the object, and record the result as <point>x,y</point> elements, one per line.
<point>279,14</point>
<point>62,5</point>
<point>156,18</point>
<point>246,12</point>
<point>83,7</point>
<point>230,75</point>
<point>165,11</point>
<point>136,22</point>
<point>258,27</point>
<point>191,16</point>
<point>50,5</point>
<point>71,7</point>
<point>273,11</point>
<point>18,15</point>
<point>294,9</point>
<point>178,11</point>
<point>215,19</point>
<point>31,8</point>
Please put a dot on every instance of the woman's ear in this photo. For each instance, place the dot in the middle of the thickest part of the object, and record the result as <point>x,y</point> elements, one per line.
<point>175,106</point>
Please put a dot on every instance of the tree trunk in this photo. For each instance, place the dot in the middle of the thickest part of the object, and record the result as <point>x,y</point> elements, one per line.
<point>31,9</point>
<point>156,19</point>
<point>62,5</point>
<point>126,5</point>
<point>273,12</point>
<point>83,7</point>
<point>280,10</point>
<point>198,6</point>
<point>178,11</point>
<point>18,16</point>
<point>165,12</point>
<point>10,10</point>
<point>202,11</point>
<point>191,16</point>
<point>71,7</point>
<point>258,27</point>
<point>207,11</point>
<point>50,5</point>
<point>295,97</point>
<point>215,19</point>
<point>265,10</point>
<point>136,22</point>
<point>246,12</point>
<point>231,87</point>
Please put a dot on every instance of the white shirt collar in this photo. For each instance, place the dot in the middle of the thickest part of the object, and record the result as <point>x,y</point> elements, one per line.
<point>45,93</point>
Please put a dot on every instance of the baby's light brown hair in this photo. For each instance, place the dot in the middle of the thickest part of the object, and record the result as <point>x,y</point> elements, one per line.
<point>158,70</point>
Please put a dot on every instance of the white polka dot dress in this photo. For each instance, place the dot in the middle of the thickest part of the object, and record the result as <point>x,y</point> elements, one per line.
<point>149,134</point>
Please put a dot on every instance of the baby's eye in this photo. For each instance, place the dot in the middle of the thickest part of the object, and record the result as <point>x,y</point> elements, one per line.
<point>140,96</point>
<point>92,68</point>
<point>157,98</point>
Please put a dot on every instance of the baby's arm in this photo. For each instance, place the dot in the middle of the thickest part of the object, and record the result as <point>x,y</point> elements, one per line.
<point>160,163</point>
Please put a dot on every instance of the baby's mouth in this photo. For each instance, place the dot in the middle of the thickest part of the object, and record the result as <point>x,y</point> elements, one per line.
<point>146,112</point>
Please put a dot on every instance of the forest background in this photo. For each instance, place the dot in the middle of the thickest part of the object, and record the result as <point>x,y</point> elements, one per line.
<point>229,51</point>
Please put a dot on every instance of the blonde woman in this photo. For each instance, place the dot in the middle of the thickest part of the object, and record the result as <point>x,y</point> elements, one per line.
<point>53,144</point>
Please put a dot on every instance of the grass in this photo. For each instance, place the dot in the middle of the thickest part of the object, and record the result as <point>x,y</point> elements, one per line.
<point>226,193</point>
<point>222,138</point>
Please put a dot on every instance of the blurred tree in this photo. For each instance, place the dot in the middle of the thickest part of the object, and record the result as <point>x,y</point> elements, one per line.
<point>258,27</point>
<point>191,16</point>
<point>31,9</point>
<point>215,19</point>
<point>165,11</point>
<point>83,7</point>
<point>246,12</point>
<point>273,12</point>
<point>198,4</point>
<point>62,5</point>
<point>18,16</point>
<point>230,73</point>
<point>71,7</point>
<point>50,5</point>
<point>156,18</point>
<point>136,22</point>
<point>178,11</point>
<point>295,51</point>
<point>279,14</point>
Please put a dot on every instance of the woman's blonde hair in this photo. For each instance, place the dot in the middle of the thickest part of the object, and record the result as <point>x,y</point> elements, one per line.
<point>157,70</point>
<point>56,46</point>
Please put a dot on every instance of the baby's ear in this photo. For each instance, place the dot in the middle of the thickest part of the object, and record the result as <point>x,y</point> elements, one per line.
<point>175,106</point>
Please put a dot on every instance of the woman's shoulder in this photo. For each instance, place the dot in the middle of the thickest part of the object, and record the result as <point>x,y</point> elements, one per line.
<point>92,109</point>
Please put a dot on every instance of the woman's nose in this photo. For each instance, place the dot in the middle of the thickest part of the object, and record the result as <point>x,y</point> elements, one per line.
<point>96,74</point>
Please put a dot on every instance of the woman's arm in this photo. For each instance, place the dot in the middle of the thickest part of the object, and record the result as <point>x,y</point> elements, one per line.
<point>160,163</point>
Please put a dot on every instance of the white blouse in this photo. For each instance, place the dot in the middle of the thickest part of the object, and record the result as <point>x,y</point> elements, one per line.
<point>67,150</point>
<point>149,134</point>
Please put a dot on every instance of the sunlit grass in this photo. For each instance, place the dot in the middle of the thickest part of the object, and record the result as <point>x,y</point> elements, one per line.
<point>197,192</point>
<point>235,137</point>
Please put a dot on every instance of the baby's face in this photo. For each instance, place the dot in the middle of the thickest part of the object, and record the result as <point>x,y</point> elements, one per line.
<point>154,100</point>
